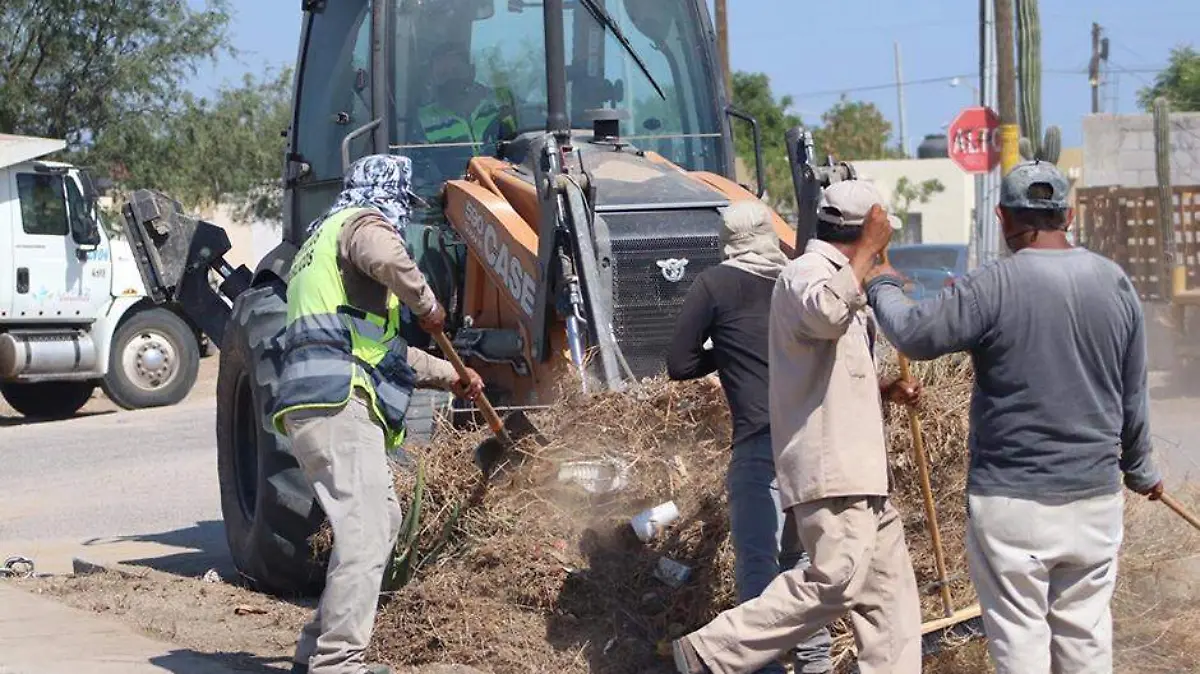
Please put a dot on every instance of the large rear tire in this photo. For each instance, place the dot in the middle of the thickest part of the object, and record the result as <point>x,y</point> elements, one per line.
<point>48,400</point>
<point>269,509</point>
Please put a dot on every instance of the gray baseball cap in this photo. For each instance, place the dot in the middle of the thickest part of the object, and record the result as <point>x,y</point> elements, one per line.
<point>847,202</point>
<point>1035,185</point>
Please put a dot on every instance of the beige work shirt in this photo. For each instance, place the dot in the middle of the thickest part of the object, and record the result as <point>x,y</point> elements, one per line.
<point>826,410</point>
<point>373,261</point>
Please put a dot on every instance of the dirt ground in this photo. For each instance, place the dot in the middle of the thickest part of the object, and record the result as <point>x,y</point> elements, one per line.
<point>250,631</point>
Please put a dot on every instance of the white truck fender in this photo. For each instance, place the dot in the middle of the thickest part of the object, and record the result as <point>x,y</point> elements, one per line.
<point>126,279</point>
<point>105,326</point>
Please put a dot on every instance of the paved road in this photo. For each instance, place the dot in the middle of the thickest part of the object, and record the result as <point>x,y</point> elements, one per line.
<point>126,486</point>
<point>116,486</point>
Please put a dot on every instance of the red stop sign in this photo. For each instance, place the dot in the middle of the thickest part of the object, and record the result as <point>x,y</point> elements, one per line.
<point>974,140</point>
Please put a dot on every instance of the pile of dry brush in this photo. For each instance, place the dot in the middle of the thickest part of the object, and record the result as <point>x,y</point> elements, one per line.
<point>533,573</point>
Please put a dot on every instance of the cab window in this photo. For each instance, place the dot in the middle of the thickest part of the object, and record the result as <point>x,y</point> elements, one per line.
<point>43,206</point>
<point>456,63</point>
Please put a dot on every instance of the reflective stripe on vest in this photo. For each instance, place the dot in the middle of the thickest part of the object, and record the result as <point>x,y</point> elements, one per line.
<point>445,126</point>
<point>331,348</point>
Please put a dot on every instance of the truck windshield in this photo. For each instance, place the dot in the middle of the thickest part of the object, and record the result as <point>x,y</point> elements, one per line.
<point>469,73</point>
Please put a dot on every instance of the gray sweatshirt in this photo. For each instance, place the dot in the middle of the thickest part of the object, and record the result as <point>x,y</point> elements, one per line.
<point>1057,338</point>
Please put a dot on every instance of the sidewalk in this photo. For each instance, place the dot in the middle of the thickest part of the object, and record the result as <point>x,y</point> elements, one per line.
<point>40,636</point>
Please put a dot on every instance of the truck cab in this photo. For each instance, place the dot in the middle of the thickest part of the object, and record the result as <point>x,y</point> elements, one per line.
<point>73,308</point>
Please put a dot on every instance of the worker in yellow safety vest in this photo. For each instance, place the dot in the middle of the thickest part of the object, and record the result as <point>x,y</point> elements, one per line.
<point>344,389</point>
<point>460,110</point>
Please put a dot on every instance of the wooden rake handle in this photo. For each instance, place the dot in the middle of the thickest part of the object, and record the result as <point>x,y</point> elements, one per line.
<point>489,412</point>
<point>922,460</point>
<point>1180,510</point>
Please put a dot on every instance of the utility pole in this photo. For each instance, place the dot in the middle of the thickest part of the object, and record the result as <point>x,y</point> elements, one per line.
<point>900,101</point>
<point>979,224</point>
<point>1099,53</point>
<point>723,45</point>
<point>1006,87</point>
<point>984,34</point>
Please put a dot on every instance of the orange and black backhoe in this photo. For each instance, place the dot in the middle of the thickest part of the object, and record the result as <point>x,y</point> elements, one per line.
<point>563,238</point>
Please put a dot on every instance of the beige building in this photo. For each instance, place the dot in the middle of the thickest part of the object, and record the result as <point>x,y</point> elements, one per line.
<point>946,217</point>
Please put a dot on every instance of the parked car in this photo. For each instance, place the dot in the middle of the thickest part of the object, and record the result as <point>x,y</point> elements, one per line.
<point>928,266</point>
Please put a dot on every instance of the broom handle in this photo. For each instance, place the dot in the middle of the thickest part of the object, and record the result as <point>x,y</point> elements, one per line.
<point>489,412</point>
<point>939,557</point>
<point>1180,509</point>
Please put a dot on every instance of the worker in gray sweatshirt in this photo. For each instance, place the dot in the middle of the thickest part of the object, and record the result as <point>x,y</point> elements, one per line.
<point>1059,413</point>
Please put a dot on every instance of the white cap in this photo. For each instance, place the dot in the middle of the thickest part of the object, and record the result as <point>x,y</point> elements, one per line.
<point>846,203</point>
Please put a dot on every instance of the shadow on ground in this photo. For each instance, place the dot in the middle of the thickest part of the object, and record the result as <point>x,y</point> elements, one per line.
<point>203,547</point>
<point>187,661</point>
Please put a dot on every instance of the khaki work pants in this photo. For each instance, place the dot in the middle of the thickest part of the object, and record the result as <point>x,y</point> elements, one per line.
<point>1045,572</point>
<point>859,565</point>
<point>342,454</point>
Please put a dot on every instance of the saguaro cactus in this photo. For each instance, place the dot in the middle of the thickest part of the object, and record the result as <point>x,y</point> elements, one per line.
<point>1033,144</point>
<point>1029,69</point>
<point>1166,223</point>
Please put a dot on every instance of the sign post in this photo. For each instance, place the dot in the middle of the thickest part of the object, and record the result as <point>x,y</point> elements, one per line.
<point>974,140</point>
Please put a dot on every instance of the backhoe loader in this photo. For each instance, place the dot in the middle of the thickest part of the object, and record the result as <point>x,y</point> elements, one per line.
<point>571,158</point>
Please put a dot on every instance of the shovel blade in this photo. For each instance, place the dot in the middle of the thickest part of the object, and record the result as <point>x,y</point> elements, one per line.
<point>492,453</point>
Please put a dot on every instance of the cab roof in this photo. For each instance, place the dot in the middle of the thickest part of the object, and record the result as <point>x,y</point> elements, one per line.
<point>19,149</point>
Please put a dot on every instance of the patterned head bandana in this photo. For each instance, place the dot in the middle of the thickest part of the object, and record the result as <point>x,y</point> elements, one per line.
<point>379,181</point>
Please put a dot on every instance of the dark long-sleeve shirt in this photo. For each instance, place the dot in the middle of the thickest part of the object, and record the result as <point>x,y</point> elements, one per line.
<point>729,306</point>
<point>1057,338</point>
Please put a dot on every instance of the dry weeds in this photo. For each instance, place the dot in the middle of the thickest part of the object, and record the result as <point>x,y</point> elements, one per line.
<point>531,574</point>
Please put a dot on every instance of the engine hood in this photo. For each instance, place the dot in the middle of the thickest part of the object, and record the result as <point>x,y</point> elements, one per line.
<point>626,180</point>
<point>624,177</point>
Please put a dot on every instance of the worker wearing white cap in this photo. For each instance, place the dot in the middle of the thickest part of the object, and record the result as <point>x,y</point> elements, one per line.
<point>828,440</point>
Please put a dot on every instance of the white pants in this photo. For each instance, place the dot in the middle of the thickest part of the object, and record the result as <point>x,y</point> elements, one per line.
<point>1045,572</point>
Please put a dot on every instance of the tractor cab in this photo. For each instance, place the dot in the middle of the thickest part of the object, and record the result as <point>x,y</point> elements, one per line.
<point>442,81</point>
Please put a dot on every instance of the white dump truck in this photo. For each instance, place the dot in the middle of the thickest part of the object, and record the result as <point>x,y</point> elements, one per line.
<point>74,313</point>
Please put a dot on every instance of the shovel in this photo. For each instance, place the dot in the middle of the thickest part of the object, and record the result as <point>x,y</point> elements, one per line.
<point>1180,509</point>
<point>490,453</point>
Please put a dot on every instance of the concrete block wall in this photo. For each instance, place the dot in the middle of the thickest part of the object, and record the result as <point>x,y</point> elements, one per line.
<point>1119,150</point>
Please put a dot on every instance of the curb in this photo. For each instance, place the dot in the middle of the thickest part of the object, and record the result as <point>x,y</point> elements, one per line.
<point>84,567</point>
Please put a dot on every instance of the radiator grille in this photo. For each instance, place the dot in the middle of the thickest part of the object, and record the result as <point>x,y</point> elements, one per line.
<point>645,303</point>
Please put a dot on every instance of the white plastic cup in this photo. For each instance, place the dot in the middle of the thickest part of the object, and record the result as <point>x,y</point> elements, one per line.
<point>650,523</point>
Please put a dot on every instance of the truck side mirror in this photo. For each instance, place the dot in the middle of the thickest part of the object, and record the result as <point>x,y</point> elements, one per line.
<point>760,172</point>
<point>85,231</point>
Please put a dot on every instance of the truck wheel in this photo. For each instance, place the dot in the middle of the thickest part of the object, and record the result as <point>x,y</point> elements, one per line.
<point>269,509</point>
<point>48,400</point>
<point>153,360</point>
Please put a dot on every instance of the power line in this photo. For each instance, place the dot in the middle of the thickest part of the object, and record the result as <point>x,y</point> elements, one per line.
<point>876,87</point>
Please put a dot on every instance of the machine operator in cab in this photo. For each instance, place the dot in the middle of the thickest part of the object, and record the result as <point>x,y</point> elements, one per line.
<point>344,389</point>
<point>460,110</point>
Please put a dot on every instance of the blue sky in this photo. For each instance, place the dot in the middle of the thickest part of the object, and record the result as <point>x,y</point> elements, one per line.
<point>813,50</point>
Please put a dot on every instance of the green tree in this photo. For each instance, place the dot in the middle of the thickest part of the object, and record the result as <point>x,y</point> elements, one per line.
<point>908,193</point>
<point>752,94</point>
<point>73,69</point>
<point>227,149</point>
<point>1179,82</point>
<point>855,131</point>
